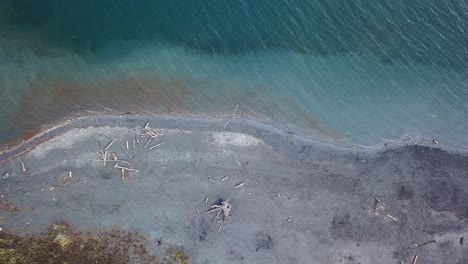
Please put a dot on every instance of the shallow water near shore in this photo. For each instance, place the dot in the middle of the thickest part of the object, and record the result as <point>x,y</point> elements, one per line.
<point>336,72</point>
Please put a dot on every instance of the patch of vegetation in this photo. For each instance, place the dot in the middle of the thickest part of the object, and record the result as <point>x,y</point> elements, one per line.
<point>62,244</point>
<point>180,257</point>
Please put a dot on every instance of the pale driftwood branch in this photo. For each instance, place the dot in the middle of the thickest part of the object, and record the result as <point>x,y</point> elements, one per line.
<point>105,158</point>
<point>117,160</point>
<point>122,174</point>
<point>147,142</point>
<point>150,132</point>
<point>225,178</point>
<point>126,152</point>
<point>212,210</point>
<point>392,217</point>
<point>239,185</point>
<point>232,115</point>
<point>157,145</point>
<point>124,168</point>
<point>109,145</point>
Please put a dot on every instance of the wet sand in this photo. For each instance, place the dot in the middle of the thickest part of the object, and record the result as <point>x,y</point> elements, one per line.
<point>297,200</point>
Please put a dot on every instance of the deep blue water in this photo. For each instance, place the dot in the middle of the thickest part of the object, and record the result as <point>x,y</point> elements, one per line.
<point>362,72</point>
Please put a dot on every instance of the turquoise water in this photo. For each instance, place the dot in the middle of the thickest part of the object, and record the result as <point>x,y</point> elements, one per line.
<point>361,72</point>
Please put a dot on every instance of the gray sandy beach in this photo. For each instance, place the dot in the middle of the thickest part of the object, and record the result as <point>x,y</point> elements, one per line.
<point>292,199</point>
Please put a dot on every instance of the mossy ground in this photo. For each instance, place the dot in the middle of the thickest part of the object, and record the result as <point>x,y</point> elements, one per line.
<point>62,244</point>
<point>180,257</point>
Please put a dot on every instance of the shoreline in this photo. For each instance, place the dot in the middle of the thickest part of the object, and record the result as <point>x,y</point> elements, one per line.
<point>288,193</point>
<point>202,123</point>
<point>40,135</point>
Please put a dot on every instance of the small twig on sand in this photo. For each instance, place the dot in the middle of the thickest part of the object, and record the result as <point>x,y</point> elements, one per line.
<point>126,152</point>
<point>127,145</point>
<point>239,185</point>
<point>206,200</point>
<point>211,180</point>
<point>124,168</point>
<point>391,217</point>
<point>457,214</point>
<point>147,142</point>
<point>232,115</point>
<point>23,167</point>
<point>137,140</point>
<point>425,243</point>
<point>109,145</point>
<point>122,174</point>
<point>123,171</point>
<point>415,259</point>
<point>225,178</point>
<point>105,158</point>
<point>157,145</point>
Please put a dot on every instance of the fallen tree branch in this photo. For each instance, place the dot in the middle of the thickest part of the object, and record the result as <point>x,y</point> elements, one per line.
<point>231,116</point>
<point>124,168</point>
<point>157,145</point>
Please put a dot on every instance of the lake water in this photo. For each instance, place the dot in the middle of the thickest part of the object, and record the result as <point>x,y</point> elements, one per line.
<point>362,72</point>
